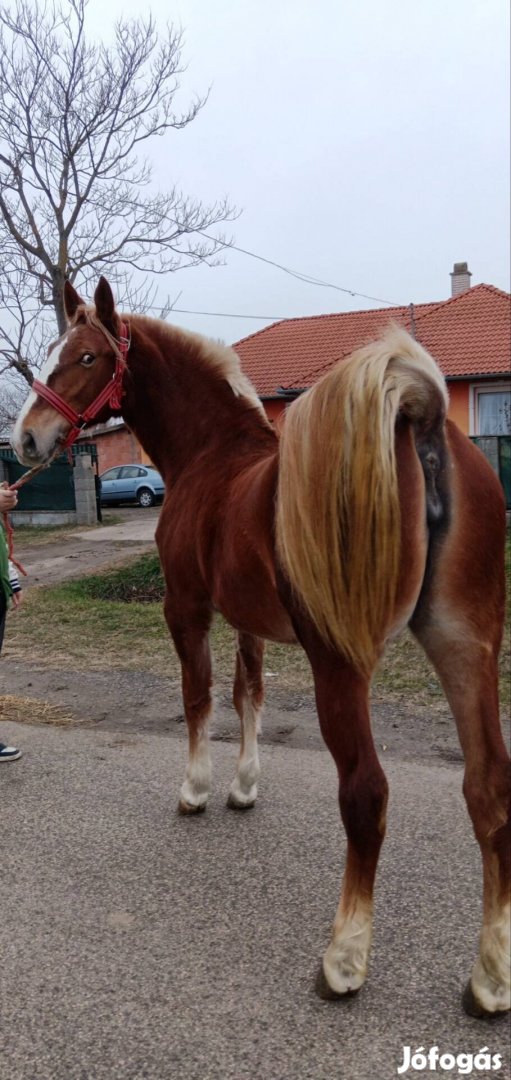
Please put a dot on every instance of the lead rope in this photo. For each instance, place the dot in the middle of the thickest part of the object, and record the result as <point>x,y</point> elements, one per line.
<point>9,531</point>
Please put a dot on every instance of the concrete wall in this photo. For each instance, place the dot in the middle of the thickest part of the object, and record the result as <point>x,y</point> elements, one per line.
<point>42,517</point>
<point>85,498</point>
<point>85,490</point>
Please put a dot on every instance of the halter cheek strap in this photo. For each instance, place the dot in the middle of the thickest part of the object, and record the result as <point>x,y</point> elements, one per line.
<point>111,393</point>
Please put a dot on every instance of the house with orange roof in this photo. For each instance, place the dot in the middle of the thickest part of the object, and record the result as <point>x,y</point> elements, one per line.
<point>469,335</point>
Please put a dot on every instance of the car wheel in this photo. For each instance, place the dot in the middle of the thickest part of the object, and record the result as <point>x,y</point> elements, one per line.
<point>145,498</point>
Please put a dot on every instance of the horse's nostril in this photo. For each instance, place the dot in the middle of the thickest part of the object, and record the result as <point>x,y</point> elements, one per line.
<point>29,443</point>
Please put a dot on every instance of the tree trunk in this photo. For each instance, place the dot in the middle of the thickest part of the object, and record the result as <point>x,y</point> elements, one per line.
<point>59,278</point>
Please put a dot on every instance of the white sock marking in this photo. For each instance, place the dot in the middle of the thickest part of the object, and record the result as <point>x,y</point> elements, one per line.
<point>491,977</point>
<point>345,960</point>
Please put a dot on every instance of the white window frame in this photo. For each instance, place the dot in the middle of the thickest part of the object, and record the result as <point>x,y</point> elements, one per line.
<point>495,387</point>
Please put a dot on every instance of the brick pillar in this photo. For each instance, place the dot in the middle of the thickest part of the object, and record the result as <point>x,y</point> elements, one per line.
<point>85,490</point>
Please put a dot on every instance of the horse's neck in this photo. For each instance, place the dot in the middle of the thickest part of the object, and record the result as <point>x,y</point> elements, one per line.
<point>178,410</point>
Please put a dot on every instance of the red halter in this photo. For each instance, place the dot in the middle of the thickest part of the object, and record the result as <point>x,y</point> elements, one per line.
<point>111,393</point>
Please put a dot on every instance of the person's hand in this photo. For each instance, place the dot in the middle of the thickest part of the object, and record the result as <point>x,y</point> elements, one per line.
<point>17,600</point>
<point>8,498</point>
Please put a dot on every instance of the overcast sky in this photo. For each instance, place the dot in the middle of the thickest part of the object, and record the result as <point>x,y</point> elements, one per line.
<point>365,143</point>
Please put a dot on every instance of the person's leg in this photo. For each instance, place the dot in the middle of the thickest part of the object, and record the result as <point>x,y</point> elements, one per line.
<point>3,612</point>
<point>7,753</point>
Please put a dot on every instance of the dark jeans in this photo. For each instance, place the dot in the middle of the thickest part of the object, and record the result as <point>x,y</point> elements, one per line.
<point>3,612</point>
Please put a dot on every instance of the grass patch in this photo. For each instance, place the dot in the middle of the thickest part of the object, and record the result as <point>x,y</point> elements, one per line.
<point>140,582</point>
<point>115,619</point>
<point>64,625</point>
<point>58,625</point>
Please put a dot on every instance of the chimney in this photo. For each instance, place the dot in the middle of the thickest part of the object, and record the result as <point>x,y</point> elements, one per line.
<point>460,279</point>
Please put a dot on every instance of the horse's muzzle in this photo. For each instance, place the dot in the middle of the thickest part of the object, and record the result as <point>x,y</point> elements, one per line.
<point>29,445</point>
<point>28,450</point>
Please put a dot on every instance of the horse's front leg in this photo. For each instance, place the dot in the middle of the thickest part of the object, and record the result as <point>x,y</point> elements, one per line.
<point>248,700</point>
<point>190,636</point>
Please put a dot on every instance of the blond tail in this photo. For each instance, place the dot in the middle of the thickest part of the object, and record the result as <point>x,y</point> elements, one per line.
<point>338,512</point>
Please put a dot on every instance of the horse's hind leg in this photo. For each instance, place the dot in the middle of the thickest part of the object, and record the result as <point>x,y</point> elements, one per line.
<point>343,709</point>
<point>342,699</point>
<point>248,700</point>
<point>190,636</point>
<point>459,624</point>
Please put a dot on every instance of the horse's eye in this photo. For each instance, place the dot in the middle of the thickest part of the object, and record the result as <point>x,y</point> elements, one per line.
<point>87,359</point>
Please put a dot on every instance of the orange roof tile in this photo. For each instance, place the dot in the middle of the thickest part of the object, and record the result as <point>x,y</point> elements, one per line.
<point>469,335</point>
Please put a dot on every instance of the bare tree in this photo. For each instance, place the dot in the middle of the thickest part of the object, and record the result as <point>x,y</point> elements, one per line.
<point>76,194</point>
<point>12,396</point>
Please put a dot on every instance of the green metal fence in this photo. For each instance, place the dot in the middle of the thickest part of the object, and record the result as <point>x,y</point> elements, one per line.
<point>51,489</point>
<point>497,448</point>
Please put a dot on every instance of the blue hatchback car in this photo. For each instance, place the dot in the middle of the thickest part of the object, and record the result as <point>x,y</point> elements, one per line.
<point>131,483</point>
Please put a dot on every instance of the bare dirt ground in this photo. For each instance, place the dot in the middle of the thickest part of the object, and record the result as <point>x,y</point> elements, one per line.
<point>77,552</point>
<point>129,703</point>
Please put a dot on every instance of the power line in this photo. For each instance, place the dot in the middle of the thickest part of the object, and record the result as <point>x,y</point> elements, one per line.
<point>307,278</point>
<point>226,314</point>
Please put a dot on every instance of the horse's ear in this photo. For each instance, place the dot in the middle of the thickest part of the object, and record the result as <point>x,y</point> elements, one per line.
<point>104,301</point>
<point>71,300</point>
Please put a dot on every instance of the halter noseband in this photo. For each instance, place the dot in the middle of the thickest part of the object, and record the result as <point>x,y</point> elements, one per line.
<point>111,393</point>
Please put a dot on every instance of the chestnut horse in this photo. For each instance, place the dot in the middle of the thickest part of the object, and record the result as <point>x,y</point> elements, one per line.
<point>372,512</point>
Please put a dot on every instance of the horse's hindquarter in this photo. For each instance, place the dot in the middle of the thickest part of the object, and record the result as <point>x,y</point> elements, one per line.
<point>243,568</point>
<point>465,580</point>
<point>452,528</point>
<point>215,544</point>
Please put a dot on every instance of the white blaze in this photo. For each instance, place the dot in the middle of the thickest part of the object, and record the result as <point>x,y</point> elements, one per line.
<point>48,367</point>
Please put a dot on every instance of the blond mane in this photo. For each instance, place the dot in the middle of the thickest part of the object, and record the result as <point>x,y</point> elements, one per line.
<point>222,360</point>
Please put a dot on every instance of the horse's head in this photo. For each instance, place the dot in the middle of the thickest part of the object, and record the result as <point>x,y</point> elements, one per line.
<point>79,382</point>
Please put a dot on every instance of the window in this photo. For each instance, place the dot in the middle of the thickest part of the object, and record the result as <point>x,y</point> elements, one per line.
<point>130,472</point>
<point>112,474</point>
<point>492,409</point>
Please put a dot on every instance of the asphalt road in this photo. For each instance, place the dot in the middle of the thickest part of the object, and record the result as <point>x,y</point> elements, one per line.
<point>136,944</point>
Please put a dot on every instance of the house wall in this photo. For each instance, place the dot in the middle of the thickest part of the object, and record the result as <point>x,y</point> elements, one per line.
<point>118,447</point>
<point>459,411</point>
<point>459,404</point>
<point>273,410</point>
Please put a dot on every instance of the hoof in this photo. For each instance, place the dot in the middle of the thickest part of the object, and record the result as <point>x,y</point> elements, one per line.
<point>233,804</point>
<point>473,1008</point>
<point>185,808</point>
<point>325,992</point>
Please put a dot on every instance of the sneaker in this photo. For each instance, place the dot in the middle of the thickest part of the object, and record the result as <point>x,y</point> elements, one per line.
<point>9,753</point>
